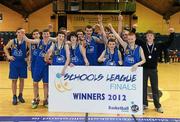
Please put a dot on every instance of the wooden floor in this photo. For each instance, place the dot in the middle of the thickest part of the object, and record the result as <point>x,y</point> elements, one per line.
<point>169,83</point>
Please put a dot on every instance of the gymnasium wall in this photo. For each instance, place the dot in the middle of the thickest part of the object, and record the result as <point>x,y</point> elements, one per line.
<point>42,18</point>
<point>11,19</point>
<point>175,21</point>
<point>147,19</point>
<point>79,21</point>
<point>39,19</point>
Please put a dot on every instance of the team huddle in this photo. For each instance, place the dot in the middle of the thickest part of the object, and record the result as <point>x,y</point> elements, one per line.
<point>97,45</point>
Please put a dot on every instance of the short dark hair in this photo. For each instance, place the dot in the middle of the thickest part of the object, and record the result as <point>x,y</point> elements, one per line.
<point>70,35</point>
<point>60,32</point>
<point>35,30</point>
<point>80,30</point>
<point>18,29</point>
<point>149,32</point>
<point>89,27</point>
<point>111,40</point>
<point>45,30</point>
<point>62,28</point>
<point>131,34</point>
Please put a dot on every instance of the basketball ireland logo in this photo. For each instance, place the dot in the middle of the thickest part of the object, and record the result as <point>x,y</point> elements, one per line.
<point>60,84</point>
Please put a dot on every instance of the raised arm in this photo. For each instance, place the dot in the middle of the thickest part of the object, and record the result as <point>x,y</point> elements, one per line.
<point>83,52</point>
<point>101,57</point>
<point>67,59</point>
<point>120,19</point>
<point>120,58</point>
<point>31,41</point>
<point>98,40</point>
<point>52,39</point>
<point>124,44</point>
<point>104,37</point>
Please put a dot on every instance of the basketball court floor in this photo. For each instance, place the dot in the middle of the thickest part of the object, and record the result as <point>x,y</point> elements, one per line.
<point>169,84</point>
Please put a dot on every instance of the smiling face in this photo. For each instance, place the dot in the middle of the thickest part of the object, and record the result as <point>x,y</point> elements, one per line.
<point>73,39</point>
<point>45,35</point>
<point>61,37</point>
<point>80,35</point>
<point>111,45</point>
<point>36,35</point>
<point>88,31</point>
<point>131,38</point>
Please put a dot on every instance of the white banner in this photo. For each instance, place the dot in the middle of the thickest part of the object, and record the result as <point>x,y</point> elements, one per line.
<point>96,89</point>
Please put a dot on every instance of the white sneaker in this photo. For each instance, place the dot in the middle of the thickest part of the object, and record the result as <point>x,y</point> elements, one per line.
<point>160,110</point>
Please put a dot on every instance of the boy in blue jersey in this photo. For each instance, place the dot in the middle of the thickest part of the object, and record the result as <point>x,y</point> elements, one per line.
<point>111,56</point>
<point>77,51</point>
<point>33,51</point>
<point>17,65</point>
<point>41,67</point>
<point>98,33</point>
<point>59,52</point>
<point>106,33</point>
<point>31,66</point>
<point>91,46</point>
<point>133,54</point>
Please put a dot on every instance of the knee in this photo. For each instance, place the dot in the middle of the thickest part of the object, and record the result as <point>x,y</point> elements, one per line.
<point>35,84</point>
<point>45,85</point>
<point>14,81</point>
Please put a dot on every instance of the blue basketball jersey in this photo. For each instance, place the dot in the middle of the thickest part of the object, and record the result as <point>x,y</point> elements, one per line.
<point>41,51</point>
<point>131,57</point>
<point>18,67</point>
<point>91,52</point>
<point>76,56</point>
<point>18,51</point>
<point>100,46</point>
<point>59,57</point>
<point>111,59</point>
<point>34,52</point>
<point>41,67</point>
